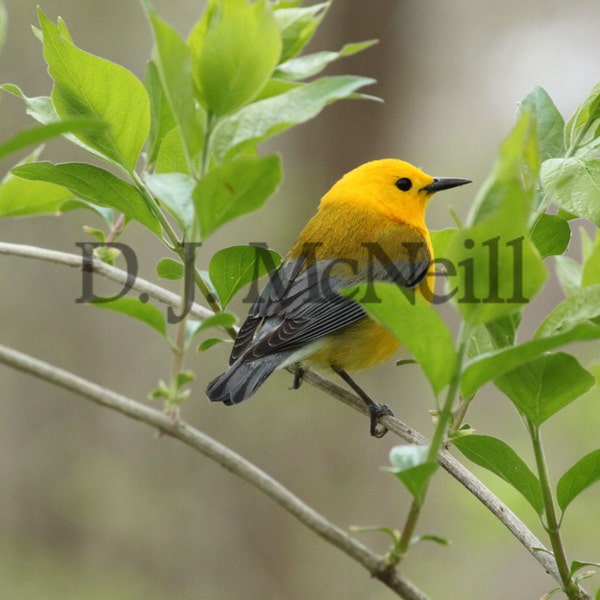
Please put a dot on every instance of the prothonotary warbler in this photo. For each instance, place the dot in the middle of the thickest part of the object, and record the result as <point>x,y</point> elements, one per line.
<point>370,226</point>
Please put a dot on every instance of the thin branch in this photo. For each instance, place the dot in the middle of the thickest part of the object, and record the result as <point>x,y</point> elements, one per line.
<point>101,268</point>
<point>533,545</point>
<point>222,455</point>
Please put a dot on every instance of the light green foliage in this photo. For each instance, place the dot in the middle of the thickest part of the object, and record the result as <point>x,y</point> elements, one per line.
<point>541,387</point>
<point>204,105</point>
<point>496,244</point>
<point>496,265</point>
<point>489,365</point>
<point>180,157</point>
<point>172,93</point>
<point>92,87</point>
<point>133,307</point>
<point>236,47</point>
<point>20,198</point>
<point>263,119</point>
<point>499,458</point>
<point>95,185</point>
<point>579,477</point>
<point>230,269</point>
<point>411,467</point>
<point>417,325</point>
<point>234,189</point>
<point>550,234</point>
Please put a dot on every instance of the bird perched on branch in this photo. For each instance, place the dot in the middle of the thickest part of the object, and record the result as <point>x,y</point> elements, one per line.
<point>370,226</point>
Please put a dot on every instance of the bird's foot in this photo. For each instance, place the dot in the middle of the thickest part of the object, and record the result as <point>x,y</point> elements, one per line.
<point>298,376</point>
<point>376,411</point>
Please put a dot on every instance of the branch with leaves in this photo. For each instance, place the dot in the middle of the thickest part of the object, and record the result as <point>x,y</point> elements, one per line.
<point>179,157</point>
<point>409,434</point>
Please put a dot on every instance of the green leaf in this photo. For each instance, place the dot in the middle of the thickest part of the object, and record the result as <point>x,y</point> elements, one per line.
<point>174,190</point>
<point>441,240</point>
<point>161,117</point>
<point>543,386</point>
<point>41,133</point>
<point>173,60</point>
<point>577,565</point>
<point>549,123</point>
<point>43,111</point>
<point>574,185</point>
<point>39,107</point>
<point>581,127</point>
<point>579,477</point>
<point>569,273</point>
<point>167,268</point>
<point>234,189</point>
<point>206,344</point>
<point>436,539</point>
<point>297,26</point>
<point>95,185</point>
<point>221,319</point>
<point>235,48</point>
<point>268,117</point>
<point>494,335</point>
<point>22,198</point>
<point>583,305</point>
<point>224,320</point>
<point>91,87</point>
<point>410,466</point>
<point>133,307</point>
<point>514,170</point>
<point>172,154</point>
<point>551,235</point>
<point>591,267</point>
<point>494,364</point>
<point>416,324</point>
<point>230,269</point>
<point>499,458</point>
<point>312,64</point>
<point>499,269</point>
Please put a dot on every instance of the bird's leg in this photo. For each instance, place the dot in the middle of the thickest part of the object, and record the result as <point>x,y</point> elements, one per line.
<point>298,375</point>
<point>375,410</point>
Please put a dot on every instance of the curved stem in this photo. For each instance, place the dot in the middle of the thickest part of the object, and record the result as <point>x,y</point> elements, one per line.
<point>222,455</point>
<point>173,241</point>
<point>552,524</point>
<point>444,418</point>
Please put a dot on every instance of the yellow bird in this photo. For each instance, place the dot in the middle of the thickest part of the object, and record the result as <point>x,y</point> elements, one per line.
<point>370,226</point>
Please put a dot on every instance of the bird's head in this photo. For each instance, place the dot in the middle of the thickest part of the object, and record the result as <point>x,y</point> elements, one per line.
<point>394,188</point>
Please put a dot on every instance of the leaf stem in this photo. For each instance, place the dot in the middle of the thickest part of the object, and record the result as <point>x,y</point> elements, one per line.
<point>206,148</point>
<point>173,241</point>
<point>212,301</point>
<point>552,525</point>
<point>444,419</point>
<point>446,413</point>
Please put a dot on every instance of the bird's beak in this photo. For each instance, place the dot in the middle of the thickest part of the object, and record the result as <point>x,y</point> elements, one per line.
<point>444,183</point>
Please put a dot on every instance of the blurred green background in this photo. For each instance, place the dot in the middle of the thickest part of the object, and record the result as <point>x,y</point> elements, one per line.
<point>98,507</point>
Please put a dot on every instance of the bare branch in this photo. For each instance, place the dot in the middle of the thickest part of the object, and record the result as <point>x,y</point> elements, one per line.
<point>222,455</point>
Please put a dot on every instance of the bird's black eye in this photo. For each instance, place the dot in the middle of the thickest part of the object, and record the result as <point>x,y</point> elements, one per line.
<point>404,184</point>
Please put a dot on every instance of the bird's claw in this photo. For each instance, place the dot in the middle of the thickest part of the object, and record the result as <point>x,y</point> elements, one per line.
<point>376,411</point>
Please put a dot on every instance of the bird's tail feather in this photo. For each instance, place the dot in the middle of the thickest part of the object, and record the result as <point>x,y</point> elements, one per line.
<point>242,379</point>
